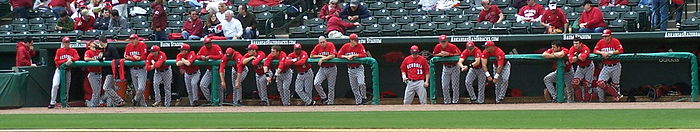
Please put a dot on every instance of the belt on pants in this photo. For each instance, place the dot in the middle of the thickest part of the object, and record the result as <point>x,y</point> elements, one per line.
<point>610,64</point>
<point>191,73</point>
<point>328,67</point>
<point>354,67</point>
<point>449,66</point>
<point>136,67</point>
<point>302,73</point>
<point>414,80</point>
<point>586,65</point>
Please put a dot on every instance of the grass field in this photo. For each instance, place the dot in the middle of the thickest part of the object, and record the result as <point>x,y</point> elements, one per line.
<point>543,119</point>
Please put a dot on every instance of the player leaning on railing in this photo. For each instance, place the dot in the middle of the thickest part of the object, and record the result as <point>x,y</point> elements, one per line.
<point>64,55</point>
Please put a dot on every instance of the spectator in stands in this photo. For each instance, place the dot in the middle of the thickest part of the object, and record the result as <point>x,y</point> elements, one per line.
<point>64,23</point>
<point>446,4</point>
<point>354,11</point>
<point>248,22</point>
<point>41,6</point>
<point>612,2</point>
<point>329,9</point>
<point>78,12</point>
<point>59,6</point>
<point>221,14</point>
<point>20,8</point>
<point>97,5</point>
<point>532,12</point>
<point>336,27</point>
<point>490,13</point>
<point>554,20</point>
<point>231,27</point>
<point>117,22</point>
<point>211,26</point>
<point>427,5</point>
<point>678,7</point>
<point>192,29</point>
<point>660,14</point>
<point>591,20</point>
<point>85,21</point>
<point>519,4</point>
<point>121,7</point>
<point>25,52</point>
<point>102,22</point>
<point>159,20</point>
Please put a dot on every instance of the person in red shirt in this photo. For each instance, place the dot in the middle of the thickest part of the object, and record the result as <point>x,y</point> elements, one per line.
<point>501,68</point>
<point>532,12</point>
<point>64,55</point>
<point>25,52</point>
<point>613,2</point>
<point>60,6</point>
<point>191,72</point>
<point>159,21</point>
<point>162,74</point>
<point>606,47</point>
<point>591,20</point>
<point>336,26</point>
<point>450,72</point>
<point>356,71</point>
<point>283,75</point>
<point>208,52</point>
<point>554,19</point>
<point>254,57</point>
<point>84,22</point>
<point>236,57</point>
<point>329,9</point>
<point>578,56</point>
<point>558,52</point>
<point>490,13</point>
<point>20,8</point>
<point>305,75</point>
<point>474,72</point>
<point>94,73</point>
<point>325,50</point>
<point>192,29</point>
<point>136,51</point>
<point>414,72</point>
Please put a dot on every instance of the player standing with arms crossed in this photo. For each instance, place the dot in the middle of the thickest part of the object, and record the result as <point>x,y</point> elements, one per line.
<point>578,56</point>
<point>325,50</point>
<point>208,52</point>
<point>276,53</point>
<point>235,56</point>
<point>413,73</point>
<point>558,52</point>
<point>356,71</point>
<point>64,55</point>
<point>254,57</point>
<point>95,72</point>
<point>163,74</point>
<point>305,75</point>
<point>606,47</point>
<point>136,51</point>
<point>501,69</point>
<point>450,72</point>
<point>474,72</point>
<point>191,72</point>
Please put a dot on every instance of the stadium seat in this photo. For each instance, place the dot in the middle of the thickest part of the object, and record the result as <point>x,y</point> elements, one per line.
<point>411,5</point>
<point>355,30</point>
<point>572,16</point>
<point>537,28</point>
<point>394,5</point>
<point>386,20</point>
<point>404,20</point>
<point>278,8</point>
<point>459,19</point>
<point>299,32</point>
<point>622,8</point>
<point>697,15</point>
<point>454,12</point>
<point>6,28</point>
<point>110,33</point>
<point>463,28</point>
<point>510,11</point>
<point>91,34</point>
<point>595,2</point>
<point>630,16</point>
<point>399,13</point>
<point>542,2</point>
<point>633,3</point>
<point>37,20</point>
<point>578,9</point>
<point>388,1</point>
<point>47,14</point>
<point>408,29</point>
<point>391,30</point>
<point>141,25</point>
<point>314,22</point>
<point>261,9</point>
<point>406,1</point>
<point>501,3</point>
<point>372,30</point>
<point>137,19</point>
<point>567,9</point>
<point>690,24</point>
<point>560,3</point>
<point>445,28</point>
<point>382,13</point>
<point>50,27</point>
<point>175,24</point>
<point>617,25</point>
<point>483,28</point>
<point>144,4</point>
<point>605,9</point>
<point>435,12</point>
<point>611,16</point>
<point>175,18</point>
<point>20,21</point>
<point>464,4</point>
<point>376,6</point>
<point>575,3</point>
<point>473,18</point>
<point>417,12</point>
<point>472,11</point>
<point>37,27</point>
<point>501,28</point>
<point>520,28</point>
<point>427,29</point>
<point>240,2</point>
<point>175,4</point>
<point>422,19</point>
<point>124,33</point>
<point>441,19</point>
<point>178,11</point>
<point>368,21</point>
<point>316,31</point>
<point>20,28</point>
<point>511,18</point>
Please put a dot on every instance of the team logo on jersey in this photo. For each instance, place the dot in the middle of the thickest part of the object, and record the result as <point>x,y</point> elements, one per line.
<point>530,13</point>
<point>65,57</point>
<point>134,53</point>
<point>324,53</point>
<point>414,65</point>
<point>351,53</point>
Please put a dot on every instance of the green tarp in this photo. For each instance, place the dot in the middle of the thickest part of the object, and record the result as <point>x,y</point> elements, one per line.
<point>13,89</point>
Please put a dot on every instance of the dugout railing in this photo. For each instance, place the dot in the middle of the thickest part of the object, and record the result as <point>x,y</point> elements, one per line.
<point>214,87</point>
<point>560,68</point>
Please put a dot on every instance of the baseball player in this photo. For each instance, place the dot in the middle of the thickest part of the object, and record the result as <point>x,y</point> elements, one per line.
<point>162,75</point>
<point>236,57</point>
<point>110,53</point>
<point>208,52</point>
<point>94,73</point>
<point>578,56</point>
<point>136,51</point>
<point>414,72</point>
<point>557,52</point>
<point>501,69</point>
<point>254,57</point>
<point>191,72</point>
<point>606,47</point>
<point>325,51</point>
<point>305,75</point>
<point>283,73</point>
<point>66,55</point>
<point>450,72</point>
<point>474,72</point>
<point>356,71</point>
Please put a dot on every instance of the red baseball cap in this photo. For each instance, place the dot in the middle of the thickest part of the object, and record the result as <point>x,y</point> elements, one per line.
<point>229,51</point>
<point>133,36</point>
<point>414,49</point>
<point>470,43</point>
<point>65,39</point>
<point>252,46</point>
<point>206,40</point>
<point>442,37</point>
<point>607,32</point>
<point>353,36</point>
<point>155,48</point>
<point>185,47</point>
<point>489,43</point>
<point>297,46</point>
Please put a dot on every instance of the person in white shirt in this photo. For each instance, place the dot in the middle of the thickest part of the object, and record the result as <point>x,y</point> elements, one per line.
<point>446,4</point>
<point>220,14</point>
<point>231,27</point>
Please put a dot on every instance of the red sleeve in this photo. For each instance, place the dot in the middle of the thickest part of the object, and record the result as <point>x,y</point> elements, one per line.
<point>57,59</point>
<point>501,59</point>
<point>20,56</point>
<point>283,63</point>
<point>200,53</point>
<point>222,65</point>
<point>618,46</point>
<point>198,26</point>
<point>454,49</point>
<point>178,57</point>
<point>522,11</point>
<point>76,56</point>
<point>436,49</point>
<point>161,59</point>
<point>597,18</point>
<point>345,24</point>
<point>463,55</point>
<point>563,16</point>
<point>127,49</point>
<point>302,59</point>
<point>361,51</point>
<point>260,57</point>
<point>323,12</point>
<point>481,17</point>
<point>216,53</point>
<point>597,46</point>
<point>142,53</point>
<point>315,50</point>
<point>341,52</point>
<point>403,64</point>
<point>332,47</point>
<point>585,52</point>
<point>192,57</point>
<point>268,60</point>
<point>548,51</point>
<point>603,3</point>
<point>149,66</point>
<point>622,2</point>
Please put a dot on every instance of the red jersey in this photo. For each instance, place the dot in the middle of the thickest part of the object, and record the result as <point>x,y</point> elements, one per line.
<point>83,24</point>
<point>593,18</point>
<point>300,65</point>
<point>498,53</point>
<point>138,49</point>
<point>556,18</point>
<point>328,50</point>
<point>59,3</point>
<point>348,49</point>
<point>65,54</point>
<point>532,12</point>
<point>236,57</point>
<point>476,52</point>
<point>94,54</point>
<point>451,48</point>
<point>567,66</point>
<point>214,52</point>
<point>156,61</point>
<point>492,14</point>
<point>24,55</point>
<point>415,67</point>
<point>611,46</point>
<point>582,54</point>
<point>189,56</point>
<point>280,57</point>
<point>259,56</point>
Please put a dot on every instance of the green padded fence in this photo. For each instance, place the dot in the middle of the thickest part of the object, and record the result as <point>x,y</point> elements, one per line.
<point>215,76</point>
<point>560,67</point>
